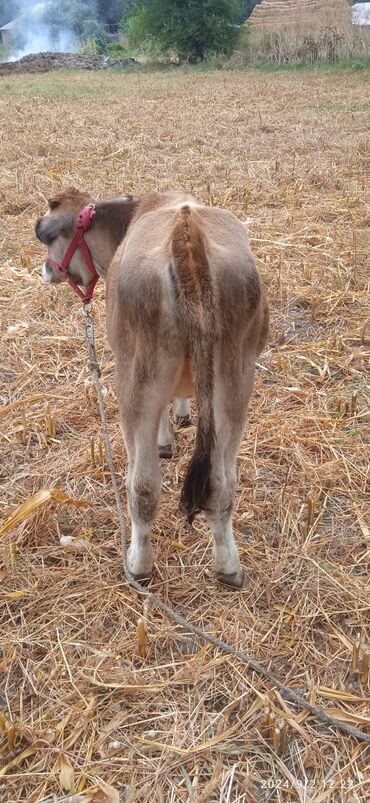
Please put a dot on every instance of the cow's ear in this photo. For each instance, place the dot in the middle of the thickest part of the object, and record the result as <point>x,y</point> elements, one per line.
<point>49,228</point>
<point>67,197</point>
<point>54,202</point>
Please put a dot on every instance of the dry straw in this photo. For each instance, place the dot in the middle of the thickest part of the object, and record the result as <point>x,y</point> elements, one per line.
<point>304,31</point>
<point>97,705</point>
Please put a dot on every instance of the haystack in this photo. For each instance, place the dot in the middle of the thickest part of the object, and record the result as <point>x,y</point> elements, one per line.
<point>274,14</point>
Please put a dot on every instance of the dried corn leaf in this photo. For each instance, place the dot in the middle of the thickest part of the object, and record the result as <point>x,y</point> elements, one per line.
<point>134,688</point>
<point>22,592</point>
<point>101,793</point>
<point>178,545</point>
<point>348,642</point>
<point>142,639</point>
<point>21,402</point>
<point>66,774</point>
<point>108,794</point>
<point>347,716</point>
<point>364,528</point>
<point>339,694</point>
<point>194,749</point>
<point>32,503</point>
<point>29,751</point>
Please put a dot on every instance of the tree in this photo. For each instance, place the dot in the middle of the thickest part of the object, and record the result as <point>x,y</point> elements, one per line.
<point>188,28</point>
<point>77,16</point>
<point>247,8</point>
<point>110,12</point>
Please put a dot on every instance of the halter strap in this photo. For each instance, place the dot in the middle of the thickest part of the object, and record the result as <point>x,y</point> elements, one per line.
<point>83,224</point>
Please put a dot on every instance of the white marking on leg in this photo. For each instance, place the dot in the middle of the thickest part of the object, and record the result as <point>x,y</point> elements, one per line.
<point>225,551</point>
<point>143,490</point>
<point>140,551</point>
<point>228,435</point>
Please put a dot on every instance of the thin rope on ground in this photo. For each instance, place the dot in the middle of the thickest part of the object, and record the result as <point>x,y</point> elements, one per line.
<point>286,691</point>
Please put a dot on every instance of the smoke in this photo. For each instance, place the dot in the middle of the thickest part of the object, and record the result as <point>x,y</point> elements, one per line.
<point>60,25</point>
<point>34,34</point>
<point>38,39</point>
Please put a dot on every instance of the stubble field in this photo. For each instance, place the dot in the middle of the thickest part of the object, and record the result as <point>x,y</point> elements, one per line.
<point>82,717</point>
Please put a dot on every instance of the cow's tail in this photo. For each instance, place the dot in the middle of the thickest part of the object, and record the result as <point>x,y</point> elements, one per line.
<point>197,311</point>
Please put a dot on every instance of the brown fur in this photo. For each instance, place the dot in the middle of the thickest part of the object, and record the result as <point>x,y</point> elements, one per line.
<point>185,313</point>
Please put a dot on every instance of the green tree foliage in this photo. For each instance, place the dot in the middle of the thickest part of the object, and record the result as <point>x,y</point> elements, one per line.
<point>110,12</point>
<point>247,8</point>
<point>78,16</point>
<point>9,9</point>
<point>84,18</point>
<point>188,28</point>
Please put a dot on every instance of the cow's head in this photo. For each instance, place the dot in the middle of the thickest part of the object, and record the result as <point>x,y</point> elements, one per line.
<point>56,229</point>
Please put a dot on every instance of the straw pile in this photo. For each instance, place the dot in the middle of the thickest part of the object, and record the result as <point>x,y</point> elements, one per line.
<point>302,31</point>
<point>102,699</point>
<point>283,13</point>
<point>307,31</point>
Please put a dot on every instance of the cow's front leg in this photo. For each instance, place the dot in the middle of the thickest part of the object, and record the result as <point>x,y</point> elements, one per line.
<point>166,440</point>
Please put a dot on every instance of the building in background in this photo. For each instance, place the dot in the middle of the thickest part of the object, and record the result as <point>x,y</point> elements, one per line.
<point>8,34</point>
<point>361,14</point>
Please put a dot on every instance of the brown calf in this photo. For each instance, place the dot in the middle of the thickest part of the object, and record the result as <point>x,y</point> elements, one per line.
<point>186,315</point>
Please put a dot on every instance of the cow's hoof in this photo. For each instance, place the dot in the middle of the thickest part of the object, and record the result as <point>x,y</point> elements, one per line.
<point>166,451</point>
<point>140,563</point>
<point>233,580</point>
<point>184,421</point>
<point>143,579</point>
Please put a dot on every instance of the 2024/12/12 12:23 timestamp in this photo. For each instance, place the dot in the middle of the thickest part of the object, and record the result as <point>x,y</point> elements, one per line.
<point>308,785</point>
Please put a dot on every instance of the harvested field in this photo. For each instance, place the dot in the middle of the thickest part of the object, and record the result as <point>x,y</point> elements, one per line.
<point>80,712</point>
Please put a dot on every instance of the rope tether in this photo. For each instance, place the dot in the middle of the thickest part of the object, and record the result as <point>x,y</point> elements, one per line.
<point>288,693</point>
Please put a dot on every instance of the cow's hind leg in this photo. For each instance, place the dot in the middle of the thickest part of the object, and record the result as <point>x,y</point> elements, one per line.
<point>231,403</point>
<point>182,412</point>
<point>182,416</point>
<point>143,490</point>
<point>166,440</point>
<point>228,568</point>
<point>141,410</point>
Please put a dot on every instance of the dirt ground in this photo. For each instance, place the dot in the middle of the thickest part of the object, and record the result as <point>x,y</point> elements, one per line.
<point>44,62</point>
<point>82,717</point>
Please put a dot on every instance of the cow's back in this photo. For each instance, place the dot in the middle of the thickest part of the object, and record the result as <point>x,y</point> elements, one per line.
<point>138,285</point>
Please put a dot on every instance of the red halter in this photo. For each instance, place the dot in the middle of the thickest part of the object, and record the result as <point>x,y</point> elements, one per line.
<point>83,224</point>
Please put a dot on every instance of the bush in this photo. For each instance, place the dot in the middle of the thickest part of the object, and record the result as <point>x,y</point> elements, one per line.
<point>89,47</point>
<point>4,53</point>
<point>95,45</point>
<point>186,30</point>
<point>101,42</point>
<point>116,51</point>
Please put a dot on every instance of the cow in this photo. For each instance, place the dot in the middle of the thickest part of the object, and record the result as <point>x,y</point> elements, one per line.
<point>186,316</point>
